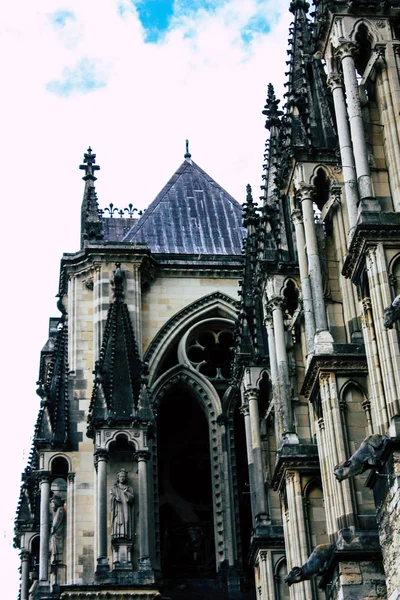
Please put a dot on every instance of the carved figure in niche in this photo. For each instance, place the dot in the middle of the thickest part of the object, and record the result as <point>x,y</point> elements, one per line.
<point>316,565</point>
<point>391,314</point>
<point>34,581</point>
<point>366,457</point>
<point>57,530</point>
<point>122,507</point>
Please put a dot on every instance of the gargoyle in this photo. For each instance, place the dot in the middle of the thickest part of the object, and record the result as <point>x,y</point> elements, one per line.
<point>391,314</point>
<point>316,564</point>
<point>366,457</point>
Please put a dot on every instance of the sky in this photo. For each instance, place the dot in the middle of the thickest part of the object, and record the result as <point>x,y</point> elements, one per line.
<point>133,79</point>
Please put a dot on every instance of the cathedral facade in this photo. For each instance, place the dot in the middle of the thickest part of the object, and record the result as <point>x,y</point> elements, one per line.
<point>220,413</point>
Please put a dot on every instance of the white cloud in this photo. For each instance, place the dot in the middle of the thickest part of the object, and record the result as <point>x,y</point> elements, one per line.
<point>201,82</point>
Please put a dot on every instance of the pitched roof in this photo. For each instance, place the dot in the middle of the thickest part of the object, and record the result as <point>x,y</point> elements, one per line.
<point>191,215</point>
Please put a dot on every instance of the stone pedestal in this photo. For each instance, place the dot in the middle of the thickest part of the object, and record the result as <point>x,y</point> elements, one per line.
<point>122,554</point>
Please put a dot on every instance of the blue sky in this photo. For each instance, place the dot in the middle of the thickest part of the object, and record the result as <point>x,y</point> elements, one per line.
<point>133,80</point>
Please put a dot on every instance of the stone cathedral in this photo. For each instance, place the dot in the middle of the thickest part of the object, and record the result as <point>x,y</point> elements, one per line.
<point>220,391</point>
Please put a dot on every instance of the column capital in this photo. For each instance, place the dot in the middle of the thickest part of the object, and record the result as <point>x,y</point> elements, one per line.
<point>345,48</point>
<point>269,322</point>
<point>44,477</point>
<point>101,454</point>
<point>263,555</point>
<point>24,555</point>
<point>305,192</point>
<point>335,80</point>
<point>251,393</point>
<point>366,304</point>
<point>71,477</point>
<point>142,455</point>
<point>275,303</point>
<point>297,216</point>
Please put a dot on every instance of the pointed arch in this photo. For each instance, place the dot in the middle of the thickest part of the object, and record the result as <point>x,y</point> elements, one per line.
<point>213,305</point>
<point>201,387</point>
<point>374,34</point>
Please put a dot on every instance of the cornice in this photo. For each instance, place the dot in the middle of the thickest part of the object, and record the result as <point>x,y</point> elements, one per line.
<point>371,228</point>
<point>346,359</point>
<point>294,457</point>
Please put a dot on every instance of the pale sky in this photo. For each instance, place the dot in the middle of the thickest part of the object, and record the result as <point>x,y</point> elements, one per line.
<point>133,79</point>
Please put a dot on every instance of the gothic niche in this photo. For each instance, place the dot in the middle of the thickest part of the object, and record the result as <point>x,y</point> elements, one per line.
<point>185,490</point>
<point>123,493</point>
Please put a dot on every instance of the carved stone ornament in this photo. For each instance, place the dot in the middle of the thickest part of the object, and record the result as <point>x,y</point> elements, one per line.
<point>391,314</point>
<point>316,565</point>
<point>366,457</point>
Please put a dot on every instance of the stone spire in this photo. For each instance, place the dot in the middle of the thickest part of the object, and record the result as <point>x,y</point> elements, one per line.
<point>52,424</point>
<point>250,332</point>
<point>118,378</point>
<point>91,222</point>
<point>309,103</point>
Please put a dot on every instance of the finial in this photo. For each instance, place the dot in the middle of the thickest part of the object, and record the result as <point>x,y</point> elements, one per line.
<point>187,154</point>
<point>299,4</point>
<point>271,110</point>
<point>89,167</point>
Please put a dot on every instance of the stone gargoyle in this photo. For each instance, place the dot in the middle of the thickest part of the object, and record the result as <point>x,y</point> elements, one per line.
<point>366,457</point>
<point>316,565</point>
<point>391,314</point>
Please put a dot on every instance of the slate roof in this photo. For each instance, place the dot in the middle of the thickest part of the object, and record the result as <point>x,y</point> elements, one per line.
<point>191,215</point>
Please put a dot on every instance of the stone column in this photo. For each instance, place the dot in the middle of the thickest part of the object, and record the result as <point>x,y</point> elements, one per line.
<point>335,82</point>
<point>275,306</point>
<point>367,200</point>
<point>244,409</point>
<point>25,558</point>
<point>143,457</point>
<point>308,308</point>
<point>44,526</point>
<point>102,456</point>
<point>261,510</point>
<point>274,377</point>
<point>71,526</point>
<point>323,340</point>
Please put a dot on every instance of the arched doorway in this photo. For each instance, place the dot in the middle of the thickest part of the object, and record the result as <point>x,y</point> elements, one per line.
<point>185,488</point>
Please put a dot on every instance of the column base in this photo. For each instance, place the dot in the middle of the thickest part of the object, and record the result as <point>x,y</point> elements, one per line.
<point>262,520</point>
<point>290,438</point>
<point>323,343</point>
<point>102,564</point>
<point>369,205</point>
<point>145,574</point>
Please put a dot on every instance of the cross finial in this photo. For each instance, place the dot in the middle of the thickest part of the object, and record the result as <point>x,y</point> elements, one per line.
<point>89,167</point>
<point>187,153</point>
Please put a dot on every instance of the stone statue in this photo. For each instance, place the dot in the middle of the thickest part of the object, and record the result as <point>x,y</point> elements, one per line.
<point>122,507</point>
<point>34,581</point>
<point>316,565</point>
<point>57,530</point>
<point>366,457</point>
<point>391,314</point>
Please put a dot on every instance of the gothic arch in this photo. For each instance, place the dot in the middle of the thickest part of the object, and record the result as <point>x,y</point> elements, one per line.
<point>210,403</point>
<point>122,433</point>
<point>213,305</point>
<point>374,34</point>
<point>202,388</point>
<point>351,383</point>
<point>328,171</point>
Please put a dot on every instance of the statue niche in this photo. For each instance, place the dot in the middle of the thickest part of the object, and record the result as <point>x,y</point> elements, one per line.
<point>122,531</point>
